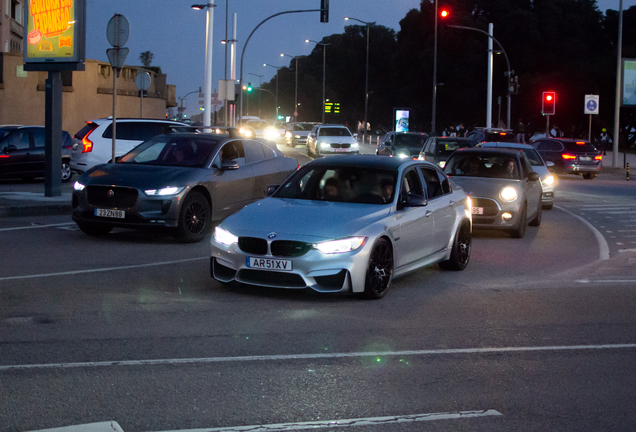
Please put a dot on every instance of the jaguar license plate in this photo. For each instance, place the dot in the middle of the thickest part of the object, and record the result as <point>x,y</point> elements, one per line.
<point>117,214</point>
<point>478,210</point>
<point>268,264</point>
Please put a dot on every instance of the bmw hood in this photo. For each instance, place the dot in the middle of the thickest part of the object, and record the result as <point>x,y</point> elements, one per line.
<point>485,187</point>
<point>137,176</point>
<point>303,220</point>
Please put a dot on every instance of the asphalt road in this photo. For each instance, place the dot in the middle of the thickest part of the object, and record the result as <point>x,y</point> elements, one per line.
<point>536,334</point>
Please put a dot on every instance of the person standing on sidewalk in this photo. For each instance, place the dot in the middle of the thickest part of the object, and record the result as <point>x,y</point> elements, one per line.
<point>521,132</point>
<point>605,141</point>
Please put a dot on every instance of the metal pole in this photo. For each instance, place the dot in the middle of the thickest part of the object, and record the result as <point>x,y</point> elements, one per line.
<point>617,106</point>
<point>434,76</point>
<point>115,73</point>
<point>547,126</point>
<point>141,110</point>
<point>207,84</point>
<point>489,78</point>
<point>296,94</point>
<point>53,135</point>
<point>366,88</point>
<point>589,132</point>
<point>276,94</point>
<point>233,71</point>
<point>324,63</point>
<point>225,68</point>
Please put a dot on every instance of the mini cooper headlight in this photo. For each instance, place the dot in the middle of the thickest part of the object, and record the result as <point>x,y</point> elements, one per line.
<point>78,186</point>
<point>549,180</point>
<point>169,190</point>
<point>224,236</point>
<point>508,194</point>
<point>341,246</point>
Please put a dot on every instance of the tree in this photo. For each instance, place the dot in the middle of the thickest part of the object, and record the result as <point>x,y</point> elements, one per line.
<point>146,58</point>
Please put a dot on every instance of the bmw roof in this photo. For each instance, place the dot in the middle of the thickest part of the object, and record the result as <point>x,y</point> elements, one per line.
<point>363,161</point>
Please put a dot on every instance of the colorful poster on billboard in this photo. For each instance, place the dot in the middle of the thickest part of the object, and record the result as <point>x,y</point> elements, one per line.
<point>402,120</point>
<point>51,31</point>
<point>629,82</point>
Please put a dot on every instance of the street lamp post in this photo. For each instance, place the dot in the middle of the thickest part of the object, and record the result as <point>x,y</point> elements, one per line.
<point>296,91</point>
<point>324,62</point>
<point>277,68</point>
<point>181,108</point>
<point>259,95</point>
<point>207,82</point>
<point>366,81</point>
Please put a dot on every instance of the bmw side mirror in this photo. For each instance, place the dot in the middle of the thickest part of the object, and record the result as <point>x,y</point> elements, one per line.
<point>549,164</point>
<point>269,190</point>
<point>533,176</point>
<point>229,165</point>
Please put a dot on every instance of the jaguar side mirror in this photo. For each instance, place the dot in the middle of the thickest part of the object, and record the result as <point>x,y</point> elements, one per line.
<point>229,165</point>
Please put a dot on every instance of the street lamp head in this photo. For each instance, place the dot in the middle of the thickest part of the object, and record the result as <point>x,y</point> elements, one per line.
<point>282,55</point>
<point>306,40</point>
<point>346,18</point>
<point>198,6</point>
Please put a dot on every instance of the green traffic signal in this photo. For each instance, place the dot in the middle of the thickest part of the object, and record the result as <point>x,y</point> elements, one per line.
<point>249,87</point>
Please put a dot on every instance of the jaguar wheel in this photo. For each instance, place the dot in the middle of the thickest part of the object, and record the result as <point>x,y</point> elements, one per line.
<point>460,255</point>
<point>379,270</point>
<point>194,218</point>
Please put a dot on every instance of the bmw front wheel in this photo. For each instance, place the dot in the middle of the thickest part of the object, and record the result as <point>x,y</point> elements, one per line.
<point>379,270</point>
<point>460,254</point>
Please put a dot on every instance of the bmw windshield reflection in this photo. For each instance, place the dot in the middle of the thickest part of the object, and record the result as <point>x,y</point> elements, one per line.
<point>191,152</point>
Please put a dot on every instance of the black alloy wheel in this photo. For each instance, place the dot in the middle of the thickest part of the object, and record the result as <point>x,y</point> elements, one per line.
<point>460,255</point>
<point>379,271</point>
<point>194,218</point>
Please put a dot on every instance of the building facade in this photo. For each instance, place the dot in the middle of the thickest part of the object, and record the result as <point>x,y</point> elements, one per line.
<point>11,25</point>
<point>86,95</point>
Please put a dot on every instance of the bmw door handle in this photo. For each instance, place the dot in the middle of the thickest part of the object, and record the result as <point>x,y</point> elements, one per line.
<point>428,213</point>
<point>451,202</point>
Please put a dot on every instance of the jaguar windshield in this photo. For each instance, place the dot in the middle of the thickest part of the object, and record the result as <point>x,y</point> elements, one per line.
<point>171,151</point>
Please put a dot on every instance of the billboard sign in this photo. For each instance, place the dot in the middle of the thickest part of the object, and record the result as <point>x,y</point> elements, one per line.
<point>401,119</point>
<point>54,31</point>
<point>628,94</point>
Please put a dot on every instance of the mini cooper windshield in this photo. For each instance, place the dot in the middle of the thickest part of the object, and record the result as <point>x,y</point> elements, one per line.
<point>341,184</point>
<point>190,152</point>
<point>483,166</point>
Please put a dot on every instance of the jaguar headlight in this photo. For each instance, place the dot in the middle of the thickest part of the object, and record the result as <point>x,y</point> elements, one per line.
<point>508,194</point>
<point>78,186</point>
<point>224,236</point>
<point>549,180</point>
<point>167,191</point>
<point>341,246</point>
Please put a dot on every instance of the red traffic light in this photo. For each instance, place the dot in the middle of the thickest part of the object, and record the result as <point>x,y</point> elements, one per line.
<point>444,13</point>
<point>548,104</point>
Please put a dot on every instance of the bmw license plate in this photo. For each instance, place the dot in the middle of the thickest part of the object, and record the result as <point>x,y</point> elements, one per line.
<point>585,158</point>
<point>268,264</point>
<point>478,210</point>
<point>341,149</point>
<point>118,214</point>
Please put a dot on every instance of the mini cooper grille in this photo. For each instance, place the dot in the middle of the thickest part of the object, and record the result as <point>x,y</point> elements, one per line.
<point>253,245</point>
<point>286,248</point>
<point>271,278</point>
<point>101,196</point>
<point>340,145</point>
<point>489,206</point>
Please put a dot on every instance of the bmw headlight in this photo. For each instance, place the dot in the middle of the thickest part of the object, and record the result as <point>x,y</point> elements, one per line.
<point>402,155</point>
<point>549,180</point>
<point>224,236</point>
<point>169,190</point>
<point>78,186</point>
<point>508,194</point>
<point>341,246</point>
<point>442,164</point>
<point>355,145</point>
<point>271,133</point>
<point>325,145</point>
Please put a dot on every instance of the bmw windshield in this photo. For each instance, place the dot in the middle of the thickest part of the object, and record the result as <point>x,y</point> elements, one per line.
<point>340,184</point>
<point>172,151</point>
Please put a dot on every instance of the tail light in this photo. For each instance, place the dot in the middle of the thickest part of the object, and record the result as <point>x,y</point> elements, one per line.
<point>599,157</point>
<point>87,145</point>
<point>568,156</point>
<point>580,143</point>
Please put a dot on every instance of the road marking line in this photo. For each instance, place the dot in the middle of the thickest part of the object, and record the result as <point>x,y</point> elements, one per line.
<point>616,212</point>
<point>101,269</point>
<point>36,226</point>
<point>264,358</point>
<point>626,230</point>
<point>613,211</point>
<point>585,281</point>
<point>364,421</point>
<point>602,243</point>
<point>601,206</point>
<point>626,250</point>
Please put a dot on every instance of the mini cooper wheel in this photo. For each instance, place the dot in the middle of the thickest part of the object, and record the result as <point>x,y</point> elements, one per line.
<point>520,231</point>
<point>94,229</point>
<point>379,270</point>
<point>194,218</point>
<point>460,255</point>
<point>537,218</point>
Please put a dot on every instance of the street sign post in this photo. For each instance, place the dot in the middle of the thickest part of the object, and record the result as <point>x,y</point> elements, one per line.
<point>142,81</point>
<point>591,108</point>
<point>117,33</point>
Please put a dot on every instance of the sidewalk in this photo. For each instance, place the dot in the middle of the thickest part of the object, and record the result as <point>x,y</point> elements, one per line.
<point>19,198</point>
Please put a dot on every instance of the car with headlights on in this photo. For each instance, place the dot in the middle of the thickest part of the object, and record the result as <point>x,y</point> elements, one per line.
<point>296,133</point>
<point>437,149</point>
<point>571,156</point>
<point>347,224</point>
<point>182,182</point>
<point>331,139</point>
<point>548,180</point>
<point>504,190</point>
<point>401,144</point>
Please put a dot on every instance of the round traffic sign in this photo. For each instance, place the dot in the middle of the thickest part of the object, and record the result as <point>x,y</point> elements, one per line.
<point>118,30</point>
<point>143,80</point>
<point>591,105</point>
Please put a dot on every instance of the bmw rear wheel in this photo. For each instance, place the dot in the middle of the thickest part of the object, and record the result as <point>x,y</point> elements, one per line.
<point>379,271</point>
<point>194,218</point>
<point>460,254</point>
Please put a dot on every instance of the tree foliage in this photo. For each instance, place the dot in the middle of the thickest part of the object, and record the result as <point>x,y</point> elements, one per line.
<point>146,58</point>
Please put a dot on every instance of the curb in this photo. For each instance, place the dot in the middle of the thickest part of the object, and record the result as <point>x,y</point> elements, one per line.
<point>31,210</point>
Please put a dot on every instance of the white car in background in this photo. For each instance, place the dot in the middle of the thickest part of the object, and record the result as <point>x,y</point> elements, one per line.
<point>331,139</point>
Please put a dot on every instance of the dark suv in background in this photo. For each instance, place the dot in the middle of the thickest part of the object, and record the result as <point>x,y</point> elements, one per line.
<point>492,135</point>
<point>570,156</point>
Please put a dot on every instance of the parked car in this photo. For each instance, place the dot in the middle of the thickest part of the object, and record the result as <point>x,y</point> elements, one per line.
<point>401,144</point>
<point>437,149</point>
<point>22,151</point>
<point>296,133</point>
<point>94,141</point>
<point>179,181</point>
<point>335,224</point>
<point>548,182</point>
<point>571,156</point>
<point>492,135</point>
<point>504,190</point>
<point>331,139</point>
